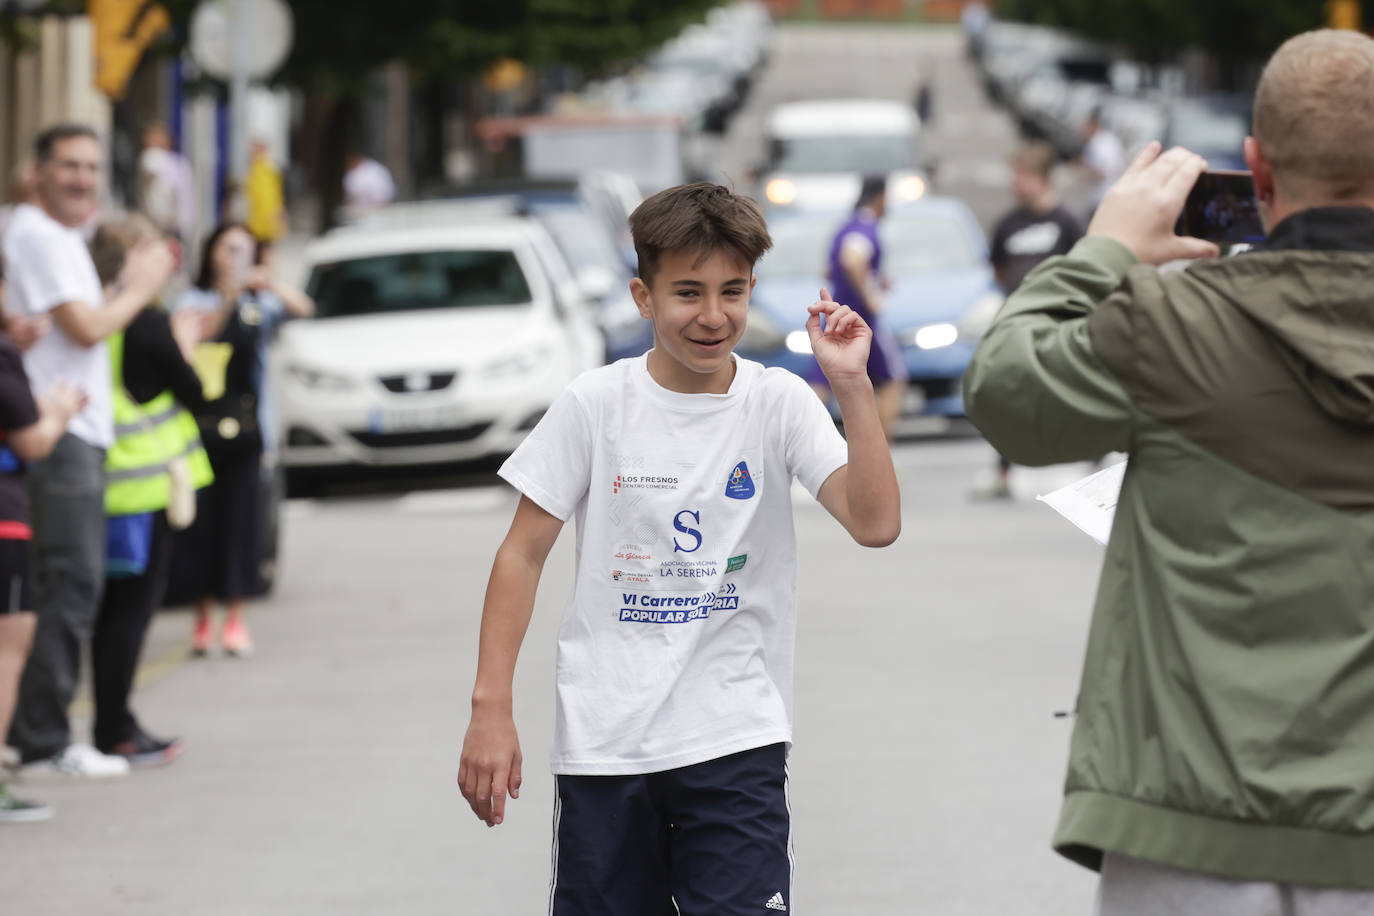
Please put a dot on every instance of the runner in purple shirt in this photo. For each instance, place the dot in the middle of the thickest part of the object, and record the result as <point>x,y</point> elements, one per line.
<point>855,275</point>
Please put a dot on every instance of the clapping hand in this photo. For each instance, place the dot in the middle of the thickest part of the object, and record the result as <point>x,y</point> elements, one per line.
<point>842,346</point>
<point>26,330</point>
<point>64,400</point>
<point>147,268</point>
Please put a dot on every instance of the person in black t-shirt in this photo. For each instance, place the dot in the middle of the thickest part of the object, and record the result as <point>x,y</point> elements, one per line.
<point>1036,228</point>
<point>29,429</point>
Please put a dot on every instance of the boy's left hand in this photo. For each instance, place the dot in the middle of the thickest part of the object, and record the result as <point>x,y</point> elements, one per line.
<point>842,348</point>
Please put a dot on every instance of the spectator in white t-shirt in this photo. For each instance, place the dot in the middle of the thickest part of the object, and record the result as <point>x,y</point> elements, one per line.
<point>367,185</point>
<point>1104,156</point>
<point>49,272</point>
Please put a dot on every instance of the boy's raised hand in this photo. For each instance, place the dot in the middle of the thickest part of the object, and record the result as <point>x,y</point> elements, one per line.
<point>490,765</point>
<point>842,347</point>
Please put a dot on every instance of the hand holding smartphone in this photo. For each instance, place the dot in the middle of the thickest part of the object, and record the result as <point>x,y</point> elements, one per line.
<point>1221,208</point>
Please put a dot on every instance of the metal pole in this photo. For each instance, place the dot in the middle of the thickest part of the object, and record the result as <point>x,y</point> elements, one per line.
<point>241,28</point>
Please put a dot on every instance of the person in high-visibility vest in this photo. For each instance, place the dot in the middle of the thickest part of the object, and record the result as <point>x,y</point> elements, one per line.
<point>153,387</point>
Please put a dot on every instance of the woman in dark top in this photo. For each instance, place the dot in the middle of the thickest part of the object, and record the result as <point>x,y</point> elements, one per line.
<point>153,362</point>
<point>241,305</point>
<point>29,428</point>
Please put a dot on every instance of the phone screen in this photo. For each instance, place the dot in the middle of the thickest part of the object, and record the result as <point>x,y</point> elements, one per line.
<point>1221,208</point>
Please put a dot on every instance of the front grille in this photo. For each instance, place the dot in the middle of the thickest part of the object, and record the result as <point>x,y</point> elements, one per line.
<point>412,383</point>
<point>421,437</point>
<point>300,437</point>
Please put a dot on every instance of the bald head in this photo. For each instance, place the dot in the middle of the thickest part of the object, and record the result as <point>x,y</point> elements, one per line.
<point>1314,116</point>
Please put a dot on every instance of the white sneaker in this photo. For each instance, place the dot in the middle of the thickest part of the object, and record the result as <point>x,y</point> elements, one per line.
<point>77,761</point>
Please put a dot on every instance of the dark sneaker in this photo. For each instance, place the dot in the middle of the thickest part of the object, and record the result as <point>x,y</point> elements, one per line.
<point>143,750</point>
<point>20,810</point>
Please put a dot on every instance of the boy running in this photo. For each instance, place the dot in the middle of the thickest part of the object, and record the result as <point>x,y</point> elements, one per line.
<point>674,674</point>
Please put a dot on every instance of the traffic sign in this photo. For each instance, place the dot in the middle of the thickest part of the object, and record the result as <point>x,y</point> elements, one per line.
<point>244,38</point>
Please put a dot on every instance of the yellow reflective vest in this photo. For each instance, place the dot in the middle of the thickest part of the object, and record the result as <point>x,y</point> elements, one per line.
<point>146,438</point>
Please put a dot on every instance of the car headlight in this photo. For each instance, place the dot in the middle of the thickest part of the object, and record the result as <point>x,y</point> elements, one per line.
<point>978,319</point>
<point>780,191</point>
<point>518,364</point>
<point>935,336</point>
<point>320,379</point>
<point>909,188</point>
<point>760,335</point>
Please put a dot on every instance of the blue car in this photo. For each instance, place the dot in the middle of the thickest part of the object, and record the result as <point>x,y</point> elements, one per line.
<point>941,299</point>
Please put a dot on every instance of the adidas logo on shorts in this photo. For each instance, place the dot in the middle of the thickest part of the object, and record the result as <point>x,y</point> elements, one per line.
<point>776,903</point>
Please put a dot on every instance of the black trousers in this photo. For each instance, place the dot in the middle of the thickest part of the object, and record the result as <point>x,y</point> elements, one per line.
<point>67,502</point>
<point>125,612</point>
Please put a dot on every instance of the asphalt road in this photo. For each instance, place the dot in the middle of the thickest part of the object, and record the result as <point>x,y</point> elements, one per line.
<point>319,775</point>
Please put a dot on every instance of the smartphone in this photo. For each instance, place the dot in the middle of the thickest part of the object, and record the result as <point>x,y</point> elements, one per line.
<point>1222,208</point>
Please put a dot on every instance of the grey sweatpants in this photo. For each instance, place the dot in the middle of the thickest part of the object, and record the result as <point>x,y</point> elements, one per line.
<point>67,504</point>
<point>1132,887</point>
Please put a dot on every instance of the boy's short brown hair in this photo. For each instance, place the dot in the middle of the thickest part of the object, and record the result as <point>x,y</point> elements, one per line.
<point>701,217</point>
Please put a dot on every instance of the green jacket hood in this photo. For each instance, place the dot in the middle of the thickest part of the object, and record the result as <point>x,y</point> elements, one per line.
<point>1318,308</point>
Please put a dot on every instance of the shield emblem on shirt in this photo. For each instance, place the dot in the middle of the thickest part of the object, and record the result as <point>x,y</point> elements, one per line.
<point>740,485</point>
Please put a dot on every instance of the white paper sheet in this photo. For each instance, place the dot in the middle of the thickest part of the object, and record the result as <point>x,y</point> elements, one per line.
<point>1090,503</point>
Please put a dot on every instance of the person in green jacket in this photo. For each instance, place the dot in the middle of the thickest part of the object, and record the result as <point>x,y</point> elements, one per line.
<point>1222,760</point>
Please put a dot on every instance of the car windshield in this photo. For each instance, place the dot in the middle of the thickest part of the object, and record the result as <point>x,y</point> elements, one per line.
<point>1206,130</point>
<point>867,155</point>
<point>583,241</point>
<point>417,281</point>
<point>919,242</point>
<point>801,245</point>
<point>925,242</point>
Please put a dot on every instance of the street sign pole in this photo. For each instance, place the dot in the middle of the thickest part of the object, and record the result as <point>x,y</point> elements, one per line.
<point>241,38</point>
<point>239,41</point>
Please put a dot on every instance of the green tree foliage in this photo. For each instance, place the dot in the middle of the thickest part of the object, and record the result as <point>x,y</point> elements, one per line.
<point>1234,31</point>
<point>338,42</point>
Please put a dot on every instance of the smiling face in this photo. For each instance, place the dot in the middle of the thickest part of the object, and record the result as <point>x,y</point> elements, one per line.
<point>69,179</point>
<point>698,304</point>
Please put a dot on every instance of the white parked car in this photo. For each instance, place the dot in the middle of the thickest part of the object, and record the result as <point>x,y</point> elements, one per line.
<point>820,151</point>
<point>442,334</point>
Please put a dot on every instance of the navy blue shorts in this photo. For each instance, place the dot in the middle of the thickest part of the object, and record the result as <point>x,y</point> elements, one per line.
<point>711,839</point>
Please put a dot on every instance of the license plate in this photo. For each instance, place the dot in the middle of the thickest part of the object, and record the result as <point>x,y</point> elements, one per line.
<point>414,419</point>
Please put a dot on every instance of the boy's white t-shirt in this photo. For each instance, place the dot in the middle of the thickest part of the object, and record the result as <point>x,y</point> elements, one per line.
<point>47,264</point>
<point>677,644</point>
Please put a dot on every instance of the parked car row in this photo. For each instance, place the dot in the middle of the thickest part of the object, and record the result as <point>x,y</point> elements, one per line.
<point>701,76</point>
<point>1052,81</point>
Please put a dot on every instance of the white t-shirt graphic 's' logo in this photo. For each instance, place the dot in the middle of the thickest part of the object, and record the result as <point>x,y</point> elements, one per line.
<point>680,525</point>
